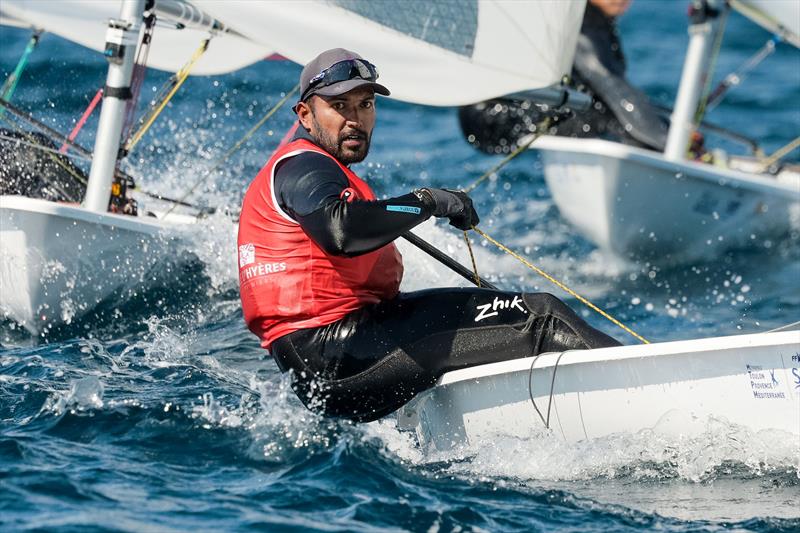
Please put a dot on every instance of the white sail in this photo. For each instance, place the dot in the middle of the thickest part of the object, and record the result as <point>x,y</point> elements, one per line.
<point>7,20</point>
<point>781,17</point>
<point>448,52</point>
<point>86,21</point>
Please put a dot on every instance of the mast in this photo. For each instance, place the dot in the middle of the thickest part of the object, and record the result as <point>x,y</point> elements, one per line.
<point>121,40</point>
<point>703,15</point>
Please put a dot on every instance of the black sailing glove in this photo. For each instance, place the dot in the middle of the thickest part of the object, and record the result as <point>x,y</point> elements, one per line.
<point>455,205</point>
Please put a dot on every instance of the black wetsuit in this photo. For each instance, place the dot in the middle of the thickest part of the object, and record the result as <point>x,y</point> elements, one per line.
<point>619,111</point>
<point>375,359</point>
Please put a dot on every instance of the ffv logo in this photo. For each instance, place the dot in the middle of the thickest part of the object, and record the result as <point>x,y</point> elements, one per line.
<point>493,309</point>
<point>247,254</point>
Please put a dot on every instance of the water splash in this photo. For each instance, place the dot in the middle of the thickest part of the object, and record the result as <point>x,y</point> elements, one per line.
<point>85,394</point>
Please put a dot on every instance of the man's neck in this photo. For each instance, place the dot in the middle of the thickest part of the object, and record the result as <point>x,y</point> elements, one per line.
<point>303,134</point>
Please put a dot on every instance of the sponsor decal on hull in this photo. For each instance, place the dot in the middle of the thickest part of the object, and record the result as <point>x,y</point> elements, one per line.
<point>765,383</point>
<point>794,377</point>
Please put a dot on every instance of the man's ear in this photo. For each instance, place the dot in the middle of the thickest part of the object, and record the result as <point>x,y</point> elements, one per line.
<point>304,114</point>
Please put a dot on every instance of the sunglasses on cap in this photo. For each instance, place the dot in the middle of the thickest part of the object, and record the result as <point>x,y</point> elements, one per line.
<point>348,69</point>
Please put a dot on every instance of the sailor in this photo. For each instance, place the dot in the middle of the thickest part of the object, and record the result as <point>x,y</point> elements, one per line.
<point>320,276</point>
<point>619,112</point>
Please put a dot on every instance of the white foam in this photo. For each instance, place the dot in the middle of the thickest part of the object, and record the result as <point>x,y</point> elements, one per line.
<point>647,455</point>
<point>213,240</point>
<point>84,394</point>
<point>162,346</point>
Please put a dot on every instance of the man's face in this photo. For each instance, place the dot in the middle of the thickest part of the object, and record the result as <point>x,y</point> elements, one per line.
<point>343,124</point>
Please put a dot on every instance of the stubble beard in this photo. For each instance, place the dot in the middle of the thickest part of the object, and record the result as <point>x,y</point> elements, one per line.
<point>334,145</point>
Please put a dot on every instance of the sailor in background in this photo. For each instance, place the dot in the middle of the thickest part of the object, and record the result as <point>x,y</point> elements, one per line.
<point>620,112</point>
<point>319,274</point>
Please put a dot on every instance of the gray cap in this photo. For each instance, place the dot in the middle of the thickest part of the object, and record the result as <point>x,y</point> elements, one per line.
<point>324,61</point>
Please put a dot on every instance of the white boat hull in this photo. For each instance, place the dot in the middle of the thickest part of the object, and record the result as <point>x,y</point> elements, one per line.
<point>59,261</point>
<point>637,205</point>
<point>751,381</point>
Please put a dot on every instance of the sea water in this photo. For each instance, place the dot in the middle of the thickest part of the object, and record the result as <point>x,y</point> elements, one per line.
<point>164,414</point>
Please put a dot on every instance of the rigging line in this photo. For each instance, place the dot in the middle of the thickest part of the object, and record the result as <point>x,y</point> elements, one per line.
<point>778,154</point>
<point>560,285</point>
<point>794,326</point>
<point>176,80</point>
<point>55,157</point>
<point>665,112</point>
<point>737,76</point>
<point>28,119</point>
<point>545,421</point>
<point>530,389</point>
<point>84,153</point>
<point>541,128</point>
<point>41,147</point>
<point>701,108</point>
<point>137,78</point>
<point>83,181</point>
<point>472,258</point>
<point>221,160</point>
<point>81,121</point>
<point>157,196</point>
<point>552,387</point>
<point>445,259</point>
<point>10,85</point>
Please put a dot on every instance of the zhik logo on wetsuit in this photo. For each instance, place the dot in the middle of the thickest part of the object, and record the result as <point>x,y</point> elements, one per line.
<point>493,309</point>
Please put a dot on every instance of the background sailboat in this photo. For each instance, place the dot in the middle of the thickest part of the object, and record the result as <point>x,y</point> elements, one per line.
<point>644,205</point>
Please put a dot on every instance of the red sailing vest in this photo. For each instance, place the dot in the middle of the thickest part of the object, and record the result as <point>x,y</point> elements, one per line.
<point>286,281</point>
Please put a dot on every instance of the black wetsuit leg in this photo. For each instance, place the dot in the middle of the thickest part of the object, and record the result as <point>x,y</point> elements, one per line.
<point>374,360</point>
